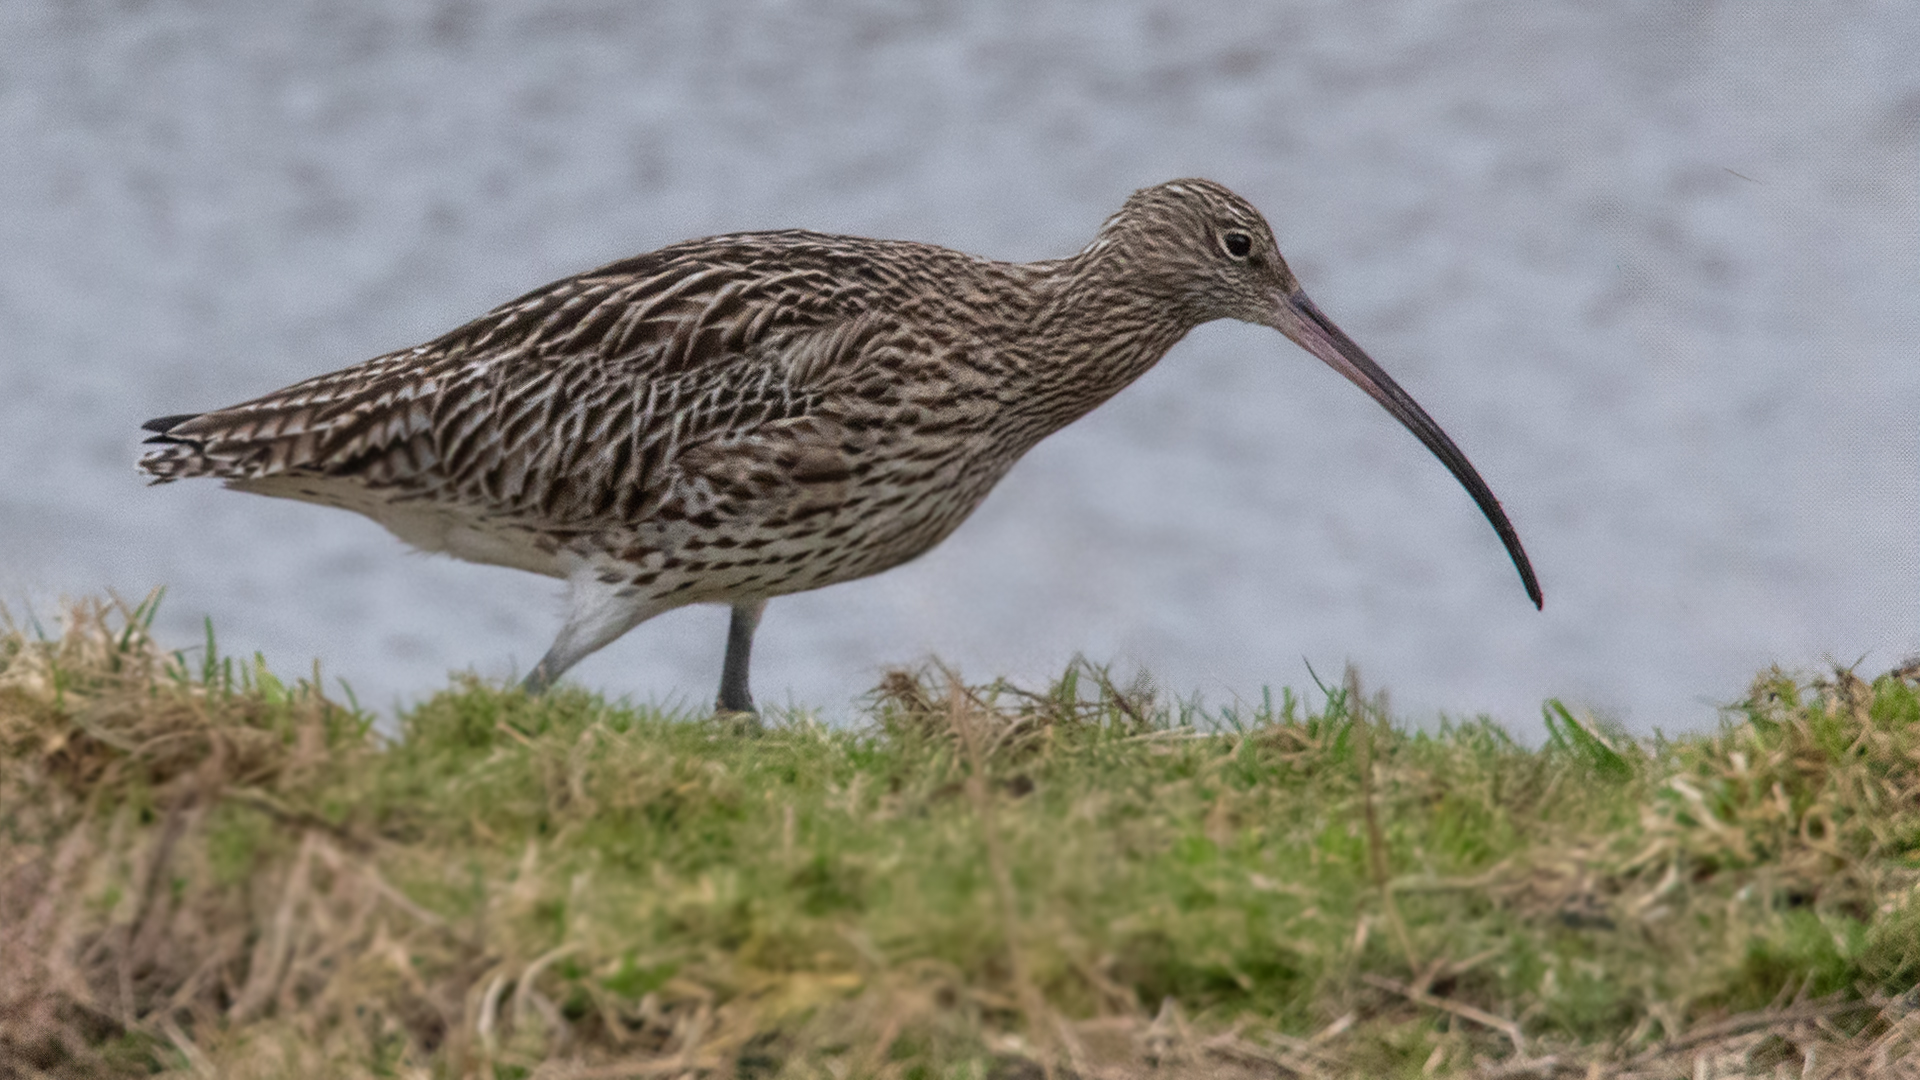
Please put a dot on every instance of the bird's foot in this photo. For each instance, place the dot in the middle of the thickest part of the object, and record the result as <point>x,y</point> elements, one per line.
<point>737,722</point>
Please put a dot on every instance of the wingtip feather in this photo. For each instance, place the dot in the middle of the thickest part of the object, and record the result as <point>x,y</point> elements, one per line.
<point>164,424</point>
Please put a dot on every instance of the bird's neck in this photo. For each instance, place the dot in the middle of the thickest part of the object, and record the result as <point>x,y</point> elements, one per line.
<point>1093,330</point>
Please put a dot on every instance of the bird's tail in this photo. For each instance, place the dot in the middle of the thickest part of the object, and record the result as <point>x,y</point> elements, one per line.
<point>177,454</point>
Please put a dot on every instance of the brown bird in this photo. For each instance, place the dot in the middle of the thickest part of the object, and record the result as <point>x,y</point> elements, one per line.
<point>737,418</point>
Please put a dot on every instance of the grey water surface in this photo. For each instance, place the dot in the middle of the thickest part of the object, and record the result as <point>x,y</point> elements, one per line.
<point>1654,265</point>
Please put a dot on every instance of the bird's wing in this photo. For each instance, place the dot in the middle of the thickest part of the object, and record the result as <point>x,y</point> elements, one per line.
<point>577,401</point>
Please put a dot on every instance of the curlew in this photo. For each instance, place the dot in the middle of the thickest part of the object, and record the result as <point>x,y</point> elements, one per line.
<point>737,418</point>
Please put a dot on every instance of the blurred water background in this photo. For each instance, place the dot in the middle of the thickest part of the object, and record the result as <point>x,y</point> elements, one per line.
<point>1655,265</point>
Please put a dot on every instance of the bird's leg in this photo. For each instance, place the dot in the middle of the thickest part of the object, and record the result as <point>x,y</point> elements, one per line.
<point>597,612</point>
<point>734,696</point>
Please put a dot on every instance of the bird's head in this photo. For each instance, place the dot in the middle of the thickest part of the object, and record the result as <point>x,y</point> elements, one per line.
<point>1208,253</point>
<point>1201,248</point>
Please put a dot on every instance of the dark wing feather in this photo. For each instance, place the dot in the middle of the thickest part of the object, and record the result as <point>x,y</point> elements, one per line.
<point>163,424</point>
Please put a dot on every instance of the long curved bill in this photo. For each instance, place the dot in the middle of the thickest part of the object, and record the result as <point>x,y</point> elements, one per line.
<point>1298,318</point>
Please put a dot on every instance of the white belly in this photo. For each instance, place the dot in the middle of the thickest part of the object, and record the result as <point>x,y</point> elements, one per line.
<point>448,529</point>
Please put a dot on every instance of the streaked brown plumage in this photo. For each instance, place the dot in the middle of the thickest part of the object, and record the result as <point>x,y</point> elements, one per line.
<point>745,416</point>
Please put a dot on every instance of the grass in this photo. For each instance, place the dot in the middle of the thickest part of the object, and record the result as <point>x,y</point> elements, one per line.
<point>207,870</point>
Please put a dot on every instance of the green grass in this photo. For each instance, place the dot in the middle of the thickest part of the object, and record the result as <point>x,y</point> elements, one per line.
<point>210,870</point>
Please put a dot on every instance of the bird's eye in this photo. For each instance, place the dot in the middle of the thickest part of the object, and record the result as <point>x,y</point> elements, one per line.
<point>1238,244</point>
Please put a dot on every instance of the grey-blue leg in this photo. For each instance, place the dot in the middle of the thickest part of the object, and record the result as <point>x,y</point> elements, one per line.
<point>734,696</point>
<point>597,612</point>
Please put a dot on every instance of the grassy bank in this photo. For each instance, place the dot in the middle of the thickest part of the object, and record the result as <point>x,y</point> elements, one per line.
<point>205,870</point>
